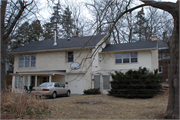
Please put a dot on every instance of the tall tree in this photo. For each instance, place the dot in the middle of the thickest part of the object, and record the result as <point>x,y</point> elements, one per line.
<point>173,72</point>
<point>140,25</point>
<point>56,18</point>
<point>24,34</point>
<point>173,75</point>
<point>48,32</point>
<point>11,14</point>
<point>67,23</point>
<point>35,31</point>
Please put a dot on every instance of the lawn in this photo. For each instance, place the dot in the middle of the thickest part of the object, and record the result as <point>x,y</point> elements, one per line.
<point>90,107</point>
<point>107,107</point>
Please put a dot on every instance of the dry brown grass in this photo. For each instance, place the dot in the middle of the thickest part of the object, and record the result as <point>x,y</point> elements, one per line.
<point>70,108</point>
<point>20,105</point>
<point>112,107</point>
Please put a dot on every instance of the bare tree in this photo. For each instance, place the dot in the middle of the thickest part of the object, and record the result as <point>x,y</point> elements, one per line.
<point>173,75</point>
<point>173,78</point>
<point>12,12</point>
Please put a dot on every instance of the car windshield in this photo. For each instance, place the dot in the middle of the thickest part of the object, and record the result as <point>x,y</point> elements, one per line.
<point>46,85</point>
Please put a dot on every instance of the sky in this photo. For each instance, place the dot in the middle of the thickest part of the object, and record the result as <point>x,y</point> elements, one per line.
<point>45,11</point>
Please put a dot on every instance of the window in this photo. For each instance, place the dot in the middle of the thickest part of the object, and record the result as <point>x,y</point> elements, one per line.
<point>126,57</point>
<point>70,56</point>
<point>33,60</point>
<point>134,57</point>
<point>27,60</point>
<point>160,69</point>
<point>21,60</point>
<point>17,81</point>
<point>26,80</point>
<point>118,58</point>
<point>106,84</point>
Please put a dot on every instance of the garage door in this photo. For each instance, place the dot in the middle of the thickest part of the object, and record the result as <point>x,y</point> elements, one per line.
<point>76,83</point>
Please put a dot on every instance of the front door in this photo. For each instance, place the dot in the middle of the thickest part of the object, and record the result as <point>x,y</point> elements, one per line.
<point>97,81</point>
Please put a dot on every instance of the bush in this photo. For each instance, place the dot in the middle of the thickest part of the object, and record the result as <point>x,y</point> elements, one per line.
<point>91,91</point>
<point>135,84</point>
<point>19,105</point>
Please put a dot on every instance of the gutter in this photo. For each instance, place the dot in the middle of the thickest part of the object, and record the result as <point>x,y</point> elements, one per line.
<point>53,50</point>
<point>130,50</point>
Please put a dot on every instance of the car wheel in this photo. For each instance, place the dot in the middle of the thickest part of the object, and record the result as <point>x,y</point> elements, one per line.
<point>54,95</point>
<point>68,93</point>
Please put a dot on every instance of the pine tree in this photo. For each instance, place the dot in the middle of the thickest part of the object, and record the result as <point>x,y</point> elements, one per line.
<point>56,18</point>
<point>140,25</point>
<point>48,32</point>
<point>24,34</point>
<point>35,31</point>
<point>67,23</point>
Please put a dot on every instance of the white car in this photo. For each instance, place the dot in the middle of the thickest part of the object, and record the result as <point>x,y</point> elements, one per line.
<point>52,89</point>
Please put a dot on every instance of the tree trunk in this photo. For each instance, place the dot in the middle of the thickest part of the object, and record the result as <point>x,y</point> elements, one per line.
<point>173,78</point>
<point>3,65</point>
<point>3,46</point>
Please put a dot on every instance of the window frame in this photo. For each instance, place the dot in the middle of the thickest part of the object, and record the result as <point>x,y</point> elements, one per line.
<point>118,58</point>
<point>25,60</point>
<point>69,57</point>
<point>134,57</point>
<point>126,58</point>
<point>123,58</point>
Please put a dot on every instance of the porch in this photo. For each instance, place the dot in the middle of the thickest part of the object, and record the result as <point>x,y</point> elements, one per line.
<point>35,78</point>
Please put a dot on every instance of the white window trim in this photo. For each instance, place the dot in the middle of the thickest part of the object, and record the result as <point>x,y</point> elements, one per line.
<point>25,60</point>
<point>129,58</point>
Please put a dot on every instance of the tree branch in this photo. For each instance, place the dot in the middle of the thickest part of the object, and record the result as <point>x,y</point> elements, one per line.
<point>9,30</point>
<point>167,6</point>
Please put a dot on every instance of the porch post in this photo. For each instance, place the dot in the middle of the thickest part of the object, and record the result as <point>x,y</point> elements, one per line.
<point>29,80</point>
<point>50,78</point>
<point>101,83</point>
<point>36,81</point>
<point>13,82</point>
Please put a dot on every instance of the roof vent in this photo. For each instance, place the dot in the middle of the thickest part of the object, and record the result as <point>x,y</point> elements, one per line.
<point>68,39</point>
<point>154,38</point>
<point>55,43</point>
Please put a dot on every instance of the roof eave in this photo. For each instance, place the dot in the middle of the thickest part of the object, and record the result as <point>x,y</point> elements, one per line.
<point>52,50</point>
<point>130,50</point>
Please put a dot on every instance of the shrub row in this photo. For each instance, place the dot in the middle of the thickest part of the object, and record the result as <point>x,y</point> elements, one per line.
<point>91,91</point>
<point>135,84</point>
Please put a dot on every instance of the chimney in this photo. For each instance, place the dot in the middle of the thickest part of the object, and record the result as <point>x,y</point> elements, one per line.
<point>154,38</point>
<point>55,43</point>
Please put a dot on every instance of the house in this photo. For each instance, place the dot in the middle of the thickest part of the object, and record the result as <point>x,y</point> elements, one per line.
<point>163,60</point>
<point>80,63</point>
<point>122,57</point>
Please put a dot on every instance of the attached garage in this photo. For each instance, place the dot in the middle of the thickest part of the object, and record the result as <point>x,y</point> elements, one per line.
<point>76,83</point>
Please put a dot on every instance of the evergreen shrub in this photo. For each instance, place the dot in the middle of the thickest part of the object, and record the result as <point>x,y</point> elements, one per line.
<point>91,91</point>
<point>135,84</point>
